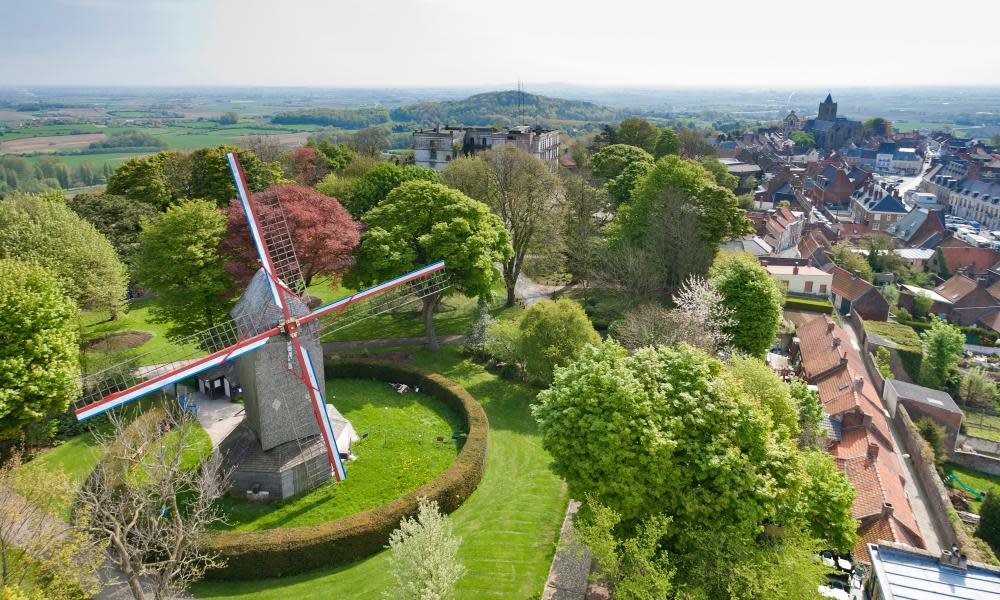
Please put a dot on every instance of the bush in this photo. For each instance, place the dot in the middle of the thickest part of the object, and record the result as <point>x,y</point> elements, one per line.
<point>911,353</point>
<point>935,436</point>
<point>281,552</point>
<point>989,520</point>
<point>822,306</point>
<point>552,333</point>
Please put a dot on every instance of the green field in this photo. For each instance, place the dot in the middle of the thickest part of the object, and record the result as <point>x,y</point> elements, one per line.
<point>509,526</point>
<point>399,452</point>
<point>975,421</point>
<point>977,480</point>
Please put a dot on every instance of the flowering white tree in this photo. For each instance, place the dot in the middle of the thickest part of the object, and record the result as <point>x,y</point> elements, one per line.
<point>424,556</point>
<point>699,299</point>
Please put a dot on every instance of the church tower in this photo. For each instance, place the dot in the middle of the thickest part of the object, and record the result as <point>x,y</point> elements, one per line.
<point>827,109</point>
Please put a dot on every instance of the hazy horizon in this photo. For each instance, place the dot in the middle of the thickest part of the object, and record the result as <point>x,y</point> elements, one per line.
<point>450,43</point>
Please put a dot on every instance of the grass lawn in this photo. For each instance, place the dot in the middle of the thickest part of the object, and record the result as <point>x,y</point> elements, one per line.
<point>974,425</point>
<point>977,480</point>
<point>508,526</point>
<point>399,453</point>
<point>76,456</point>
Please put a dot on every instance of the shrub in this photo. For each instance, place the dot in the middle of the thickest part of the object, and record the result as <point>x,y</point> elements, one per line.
<point>501,342</point>
<point>908,347</point>
<point>424,556</point>
<point>552,333</point>
<point>989,520</point>
<point>821,306</point>
<point>934,435</point>
<point>281,552</point>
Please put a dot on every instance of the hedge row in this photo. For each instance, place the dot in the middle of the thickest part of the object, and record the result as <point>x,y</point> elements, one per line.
<point>793,303</point>
<point>908,347</point>
<point>287,551</point>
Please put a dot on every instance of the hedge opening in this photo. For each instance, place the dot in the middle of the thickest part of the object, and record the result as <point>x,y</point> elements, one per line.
<point>288,551</point>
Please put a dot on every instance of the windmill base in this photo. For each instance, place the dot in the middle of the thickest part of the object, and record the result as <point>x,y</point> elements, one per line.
<point>281,472</point>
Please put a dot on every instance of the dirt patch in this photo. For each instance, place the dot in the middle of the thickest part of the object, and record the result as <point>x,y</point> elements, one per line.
<point>50,143</point>
<point>801,317</point>
<point>286,140</point>
<point>12,115</point>
<point>125,340</point>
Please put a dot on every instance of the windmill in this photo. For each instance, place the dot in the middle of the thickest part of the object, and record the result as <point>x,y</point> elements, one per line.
<point>288,442</point>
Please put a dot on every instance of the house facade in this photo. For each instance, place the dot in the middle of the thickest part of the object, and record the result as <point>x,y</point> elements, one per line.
<point>878,206</point>
<point>437,147</point>
<point>807,281</point>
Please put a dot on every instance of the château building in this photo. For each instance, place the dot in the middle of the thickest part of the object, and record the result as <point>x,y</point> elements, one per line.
<point>437,147</point>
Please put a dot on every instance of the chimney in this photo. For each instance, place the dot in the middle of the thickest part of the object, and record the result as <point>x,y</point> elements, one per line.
<point>795,270</point>
<point>887,509</point>
<point>829,326</point>
<point>836,341</point>
<point>872,455</point>
<point>859,383</point>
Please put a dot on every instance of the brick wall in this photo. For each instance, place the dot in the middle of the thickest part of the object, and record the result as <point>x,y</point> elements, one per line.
<point>934,493</point>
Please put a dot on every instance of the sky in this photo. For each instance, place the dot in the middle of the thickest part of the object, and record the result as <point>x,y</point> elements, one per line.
<point>388,43</point>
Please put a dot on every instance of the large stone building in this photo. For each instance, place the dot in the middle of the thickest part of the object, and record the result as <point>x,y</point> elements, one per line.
<point>437,147</point>
<point>830,131</point>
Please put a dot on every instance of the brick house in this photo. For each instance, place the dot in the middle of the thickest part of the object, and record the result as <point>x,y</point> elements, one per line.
<point>802,279</point>
<point>925,402</point>
<point>853,292</point>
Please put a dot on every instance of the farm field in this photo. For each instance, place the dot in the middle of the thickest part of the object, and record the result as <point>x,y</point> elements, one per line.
<point>509,526</point>
<point>50,143</point>
<point>982,425</point>
<point>398,453</point>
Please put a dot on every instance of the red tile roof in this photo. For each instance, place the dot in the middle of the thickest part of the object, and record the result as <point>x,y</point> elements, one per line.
<point>848,285</point>
<point>821,350</point>
<point>956,288</point>
<point>978,260</point>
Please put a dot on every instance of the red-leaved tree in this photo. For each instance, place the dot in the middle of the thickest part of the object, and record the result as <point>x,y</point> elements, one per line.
<point>305,166</point>
<point>323,233</point>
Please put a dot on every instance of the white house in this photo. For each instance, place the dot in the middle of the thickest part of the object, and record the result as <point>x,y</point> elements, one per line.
<point>803,280</point>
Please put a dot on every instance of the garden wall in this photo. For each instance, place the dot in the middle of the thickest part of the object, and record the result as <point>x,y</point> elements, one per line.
<point>974,460</point>
<point>287,551</point>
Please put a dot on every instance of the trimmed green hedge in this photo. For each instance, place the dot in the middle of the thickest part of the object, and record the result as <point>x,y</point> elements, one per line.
<point>287,551</point>
<point>795,303</point>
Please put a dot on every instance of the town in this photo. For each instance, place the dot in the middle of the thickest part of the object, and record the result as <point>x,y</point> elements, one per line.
<point>271,330</point>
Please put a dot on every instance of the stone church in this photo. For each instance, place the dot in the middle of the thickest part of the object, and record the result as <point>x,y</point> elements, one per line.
<point>833,132</point>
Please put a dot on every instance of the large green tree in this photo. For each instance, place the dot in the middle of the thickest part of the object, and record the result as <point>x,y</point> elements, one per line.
<point>367,190</point>
<point>666,431</point>
<point>720,173</point>
<point>667,142</point>
<point>611,160</point>
<point>117,218</point>
<point>989,520</point>
<point>586,206</point>
<point>523,192</point>
<point>38,346</point>
<point>825,502</point>
<point>45,231</point>
<point>181,262</point>
<point>141,179</point>
<point>552,335</point>
<point>421,222</point>
<point>638,132</point>
<point>211,178</point>
<point>621,187</point>
<point>844,255</point>
<point>755,299</point>
<point>943,347</point>
<point>764,386</point>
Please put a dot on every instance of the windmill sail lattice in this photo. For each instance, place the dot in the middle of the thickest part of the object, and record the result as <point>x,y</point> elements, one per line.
<point>260,324</point>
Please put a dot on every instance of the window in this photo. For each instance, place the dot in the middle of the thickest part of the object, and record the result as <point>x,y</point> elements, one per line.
<point>434,154</point>
<point>809,286</point>
<point>822,288</point>
<point>878,217</point>
<point>874,226</point>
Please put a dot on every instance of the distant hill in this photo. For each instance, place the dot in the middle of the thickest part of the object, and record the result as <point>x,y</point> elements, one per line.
<point>503,108</point>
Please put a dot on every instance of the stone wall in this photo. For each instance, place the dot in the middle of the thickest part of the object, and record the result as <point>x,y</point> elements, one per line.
<point>973,460</point>
<point>934,492</point>
<point>979,445</point>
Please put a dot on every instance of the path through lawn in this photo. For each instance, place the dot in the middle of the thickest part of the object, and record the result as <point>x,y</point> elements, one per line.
<point>508,526</point>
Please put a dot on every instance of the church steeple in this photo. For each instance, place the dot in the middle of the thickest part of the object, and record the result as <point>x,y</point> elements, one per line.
<point>828,109</point>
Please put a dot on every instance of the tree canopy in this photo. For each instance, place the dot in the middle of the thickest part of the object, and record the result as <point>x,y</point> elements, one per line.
<point>943,347</point>
<point>755,299</point>
<point>211,178</point>
<point>45,231</point>
<point>367,190</point>
<point>638,132</point>
<point>38,346</point>
<point>667,142</point>
<point>181,262</point>
<point>552,334</point>
<point>421,222</point>
<point>611,160</point>
<point>323,234</point>
<point>116,218</point>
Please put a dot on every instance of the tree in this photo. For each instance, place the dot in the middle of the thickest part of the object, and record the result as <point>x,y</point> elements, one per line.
<point>151,506</point>
<point>667,432</point>
<point>370,141</point>
<point>693,143</point>
<point>702,301</point>
<point>803,139</point>
<point>38,346</point>
<point>421,222</point>
<point>882,254</point>
<point>586,206</point>
<point>635,566</point>
<point>922,304</point>
<point>825,502</point>
<point>620,188</point>
<point>116,218</point>
<point>755,299</point>
<point>228,118</point>
<point>323,234</point>
<point>181,262</point>
<point>523,192</point>
<point>211,178</point>
<point>943,347</point>
<point>46,232</point>
<point>479,333</point>
<point>265,147</point>
<point>424,556</point>
<point>337,156</point>
<point>977,389</point>
<point>141,179</point>
<point>611,160</point>
<point>552,334</point>
<point>810,414</point>
<point>935,436</point>
<point>989,519</point>
<point>372,187</point>
<point>763,386</point>
<point>335,186</point>
<point>305,165</point>
<point>637,132</point>
<point>675,222</point>
<point>878,126</point>
<point>36,545</point>
<point>720,173</point>
<point>844,256</point>
<point>667,142</point>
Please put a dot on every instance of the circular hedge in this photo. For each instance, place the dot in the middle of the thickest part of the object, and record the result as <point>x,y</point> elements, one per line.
<point>287,551</point>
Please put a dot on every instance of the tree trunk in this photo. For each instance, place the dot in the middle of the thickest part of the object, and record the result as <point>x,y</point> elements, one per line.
<point>126,567</point>
<point>511,271</point>
<point>430,305</point>
<point>511,297</point>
